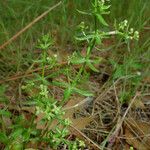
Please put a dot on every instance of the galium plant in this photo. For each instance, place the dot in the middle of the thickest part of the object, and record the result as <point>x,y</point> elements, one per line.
<point>44,43</point>
<point>24,131</point>
<point>95,37</point>
<point>99,9</point>
<point>46,104</point>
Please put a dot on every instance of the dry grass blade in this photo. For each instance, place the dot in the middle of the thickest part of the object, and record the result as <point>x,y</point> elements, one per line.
<point>120,122</point>
<point>28,73</point>
<point>137,134</point>
<point>80,103</point>
<point>88,141</point>
<point>28,26</point>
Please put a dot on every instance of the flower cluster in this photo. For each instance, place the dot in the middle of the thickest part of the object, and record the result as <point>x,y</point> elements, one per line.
<point>127,32</point>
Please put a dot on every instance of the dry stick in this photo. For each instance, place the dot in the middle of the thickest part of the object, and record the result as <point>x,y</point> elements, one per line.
<point>27,73</point>
<point>107,90</point>
<point>120,122</point>
<point>78,132</point>
<point>28,26</point>
<point>22,75</point>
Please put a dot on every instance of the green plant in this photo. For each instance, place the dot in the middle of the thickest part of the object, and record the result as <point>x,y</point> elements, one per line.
<point>44,43</point>
<point>54,130</point>
<point>131,148</point>
<point>23,130</point>
<point>126,33</point>
<point>47,105</point>
<point>94,38</point>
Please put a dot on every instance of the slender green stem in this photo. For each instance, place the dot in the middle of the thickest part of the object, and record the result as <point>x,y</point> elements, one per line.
<point>92,43</point>
<point>95,18</point>
<point>78,75</point>
<point>3,125</point>
<point>44,60</point>
<point>90,47</point>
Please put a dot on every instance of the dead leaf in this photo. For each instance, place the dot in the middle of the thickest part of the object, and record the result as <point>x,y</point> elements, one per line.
<point>81,123</point>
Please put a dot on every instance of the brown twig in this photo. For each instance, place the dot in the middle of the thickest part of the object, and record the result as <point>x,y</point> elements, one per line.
<point>29,25</point>
<point>83,136</point>
<point>28,73</point>
<point>120,122</point>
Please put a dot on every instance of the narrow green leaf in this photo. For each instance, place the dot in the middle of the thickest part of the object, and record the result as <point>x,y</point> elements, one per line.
<point>82,92</point>
<point>83,12</point>
<point>2,89</point>
<point>120,71</point>
<point>92,67</point>
<point>3,97</point>
<point>97,60</point>
<point>67,93</point>
<point>78,60</point>
<point>26,134</point>
<point>106,13</point>
<point>101,20</point>
<point>17,133</point>
<point>60,84</point>
<point>106,7</point>
<point>3,138</point>
<point>5,113</point>
<point>87,37</point>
